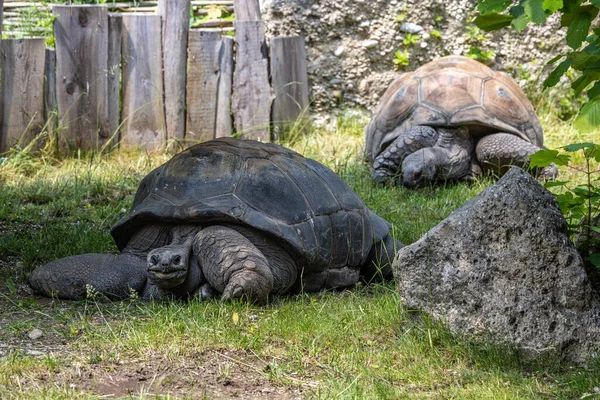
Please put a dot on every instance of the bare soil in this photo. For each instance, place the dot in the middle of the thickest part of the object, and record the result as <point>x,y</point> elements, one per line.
<point>219,374</point>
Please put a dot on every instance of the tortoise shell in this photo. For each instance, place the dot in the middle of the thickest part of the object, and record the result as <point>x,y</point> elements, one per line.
<point>453,91</point>
<point>299,201</point>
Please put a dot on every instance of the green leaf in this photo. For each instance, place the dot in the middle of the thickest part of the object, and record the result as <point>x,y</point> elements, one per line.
<point>555,59</point>
<point>535,10</point>
<point>578,20</point>
<point>521,19</point>
<point>581,83</point>
<point>570,6</point>
<point>577,146</point>
<point>595,3</point>
<point>555,75</point>
<point>594,45</point>
<point>594,91</point>
<point>588,119</point>
<point>582,192</point>
<point>551,184</point>
<point>594,228</point>
<point>520,23</point>
<point>493,22</point>
<point>593,70</point>
<point>582,59</point>
<point>595,260</point>
<point>543,158</point>
<point>493,6</point>
<point>552,5</point>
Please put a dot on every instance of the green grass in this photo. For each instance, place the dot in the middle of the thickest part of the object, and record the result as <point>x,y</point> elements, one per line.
<point>358,343</point>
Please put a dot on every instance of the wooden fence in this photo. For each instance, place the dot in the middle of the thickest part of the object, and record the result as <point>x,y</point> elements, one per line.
<point>146,80</point>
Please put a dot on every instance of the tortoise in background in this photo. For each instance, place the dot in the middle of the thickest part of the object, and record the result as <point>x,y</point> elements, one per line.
<point>241,218</point>
<point>449,120</point>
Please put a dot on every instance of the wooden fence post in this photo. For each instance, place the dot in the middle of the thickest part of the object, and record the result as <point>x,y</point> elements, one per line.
<point>209,86</point>
<point>224,126</point>
<point>1,15</point>
<point>290,83</point>
<point>81,34</point>
<point>115,34</point>
<point>252,95</point>
<point>143,107</point>
<point>50,105</point>
<point>22,94</point>
<point>175,25</point>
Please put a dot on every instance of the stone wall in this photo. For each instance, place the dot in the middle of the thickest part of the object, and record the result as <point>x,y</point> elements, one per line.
<point>351,43</point>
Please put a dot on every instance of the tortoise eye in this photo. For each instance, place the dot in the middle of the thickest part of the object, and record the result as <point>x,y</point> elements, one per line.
<point>154,259</point>
<point>176,260</point>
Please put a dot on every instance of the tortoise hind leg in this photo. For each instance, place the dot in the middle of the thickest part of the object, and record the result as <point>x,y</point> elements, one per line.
<point>386,166</point>
<point>114,276</point>
<point>498,152</point>
<point>335,278</point>
<point>233,265</point>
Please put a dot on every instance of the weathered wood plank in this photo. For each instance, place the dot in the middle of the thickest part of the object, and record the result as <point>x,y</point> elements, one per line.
<point>50,104</point>
<point>81,34</point>
<point>252,95</point>
<point>247,10</point>
<point>175,26</point>
<point>22,95</point>
<point>208,83</point>
<point>224,125</point>
<point>143,107</point>
<point>115,34</point>
<point>1,17</point>
<point>289,79</point>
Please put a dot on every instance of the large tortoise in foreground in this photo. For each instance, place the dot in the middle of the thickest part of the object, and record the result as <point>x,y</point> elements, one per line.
<point>241,218</point>
<point>449,120</point>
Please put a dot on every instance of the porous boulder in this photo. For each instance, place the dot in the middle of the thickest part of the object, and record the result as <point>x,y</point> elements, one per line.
<point>502,267</point>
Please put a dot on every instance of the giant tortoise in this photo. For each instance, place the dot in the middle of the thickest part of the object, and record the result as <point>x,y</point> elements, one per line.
<point>241,218</point>
<point>449,120</point>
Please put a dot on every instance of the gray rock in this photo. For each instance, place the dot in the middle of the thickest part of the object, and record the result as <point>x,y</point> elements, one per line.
<point>369,44</point>
<point>502,267</point>
<point>339,51</point>
<point>410,27</point>
<point>35,334</point>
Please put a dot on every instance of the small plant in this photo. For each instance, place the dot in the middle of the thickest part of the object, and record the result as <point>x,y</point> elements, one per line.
<point>474,34</point>
<point>401,58</point>
<point>410,39</point>
<point>580,203</point>
<point>436,34</point>
<point>477,53</point>
<point>401,17</point>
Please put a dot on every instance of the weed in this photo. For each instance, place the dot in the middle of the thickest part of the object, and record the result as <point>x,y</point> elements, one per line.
<point>410,39</point>
<point>401,58</point>
<point>436,34</point>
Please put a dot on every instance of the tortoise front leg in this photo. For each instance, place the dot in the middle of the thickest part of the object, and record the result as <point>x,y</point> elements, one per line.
<point>233,265</point>
<point>114,276</point>
<point>386,165</point>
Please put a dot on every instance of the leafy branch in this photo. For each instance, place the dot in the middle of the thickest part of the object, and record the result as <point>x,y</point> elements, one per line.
<point>578,16</point>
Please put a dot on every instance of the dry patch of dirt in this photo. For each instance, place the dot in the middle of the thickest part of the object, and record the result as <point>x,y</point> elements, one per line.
<point>219,374</point>
<point>208,375</point>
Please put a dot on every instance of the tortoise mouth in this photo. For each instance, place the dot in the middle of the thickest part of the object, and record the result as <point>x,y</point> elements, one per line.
<point>165,270</point>
<point>167,279</point>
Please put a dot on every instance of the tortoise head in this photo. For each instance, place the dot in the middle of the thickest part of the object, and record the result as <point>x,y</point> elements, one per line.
<point>168,265</point>
<point>419,168</point>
